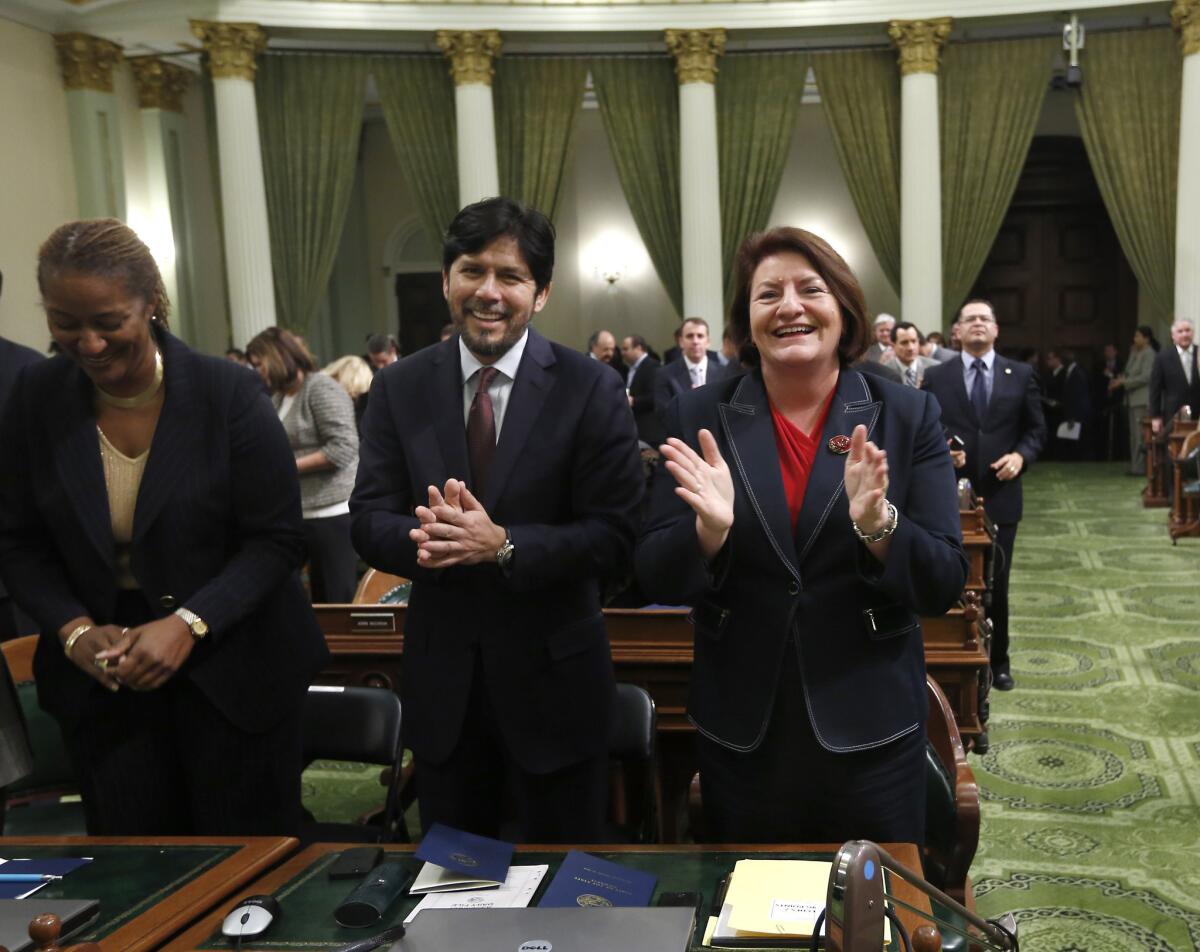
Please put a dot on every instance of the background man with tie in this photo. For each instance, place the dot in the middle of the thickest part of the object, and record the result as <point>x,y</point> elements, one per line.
<point>1175,378</point>
<point>992,404</point>
<point>696,367</point>
<point>500,472</point>
<point>907,341</point>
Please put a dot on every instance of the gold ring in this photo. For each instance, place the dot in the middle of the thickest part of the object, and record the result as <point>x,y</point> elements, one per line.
<point>102,664</point>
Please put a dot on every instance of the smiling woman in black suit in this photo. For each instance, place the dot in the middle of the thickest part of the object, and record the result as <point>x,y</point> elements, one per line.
<point>809,515</point>
<point>150,524</point>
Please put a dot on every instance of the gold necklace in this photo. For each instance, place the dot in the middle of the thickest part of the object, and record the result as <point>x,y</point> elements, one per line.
<point>140,399</point>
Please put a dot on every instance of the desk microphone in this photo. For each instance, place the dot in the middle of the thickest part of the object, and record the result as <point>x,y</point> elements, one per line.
<point>368,902</point>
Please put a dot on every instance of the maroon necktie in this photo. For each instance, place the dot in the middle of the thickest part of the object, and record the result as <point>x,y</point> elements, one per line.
<point>481,432</point>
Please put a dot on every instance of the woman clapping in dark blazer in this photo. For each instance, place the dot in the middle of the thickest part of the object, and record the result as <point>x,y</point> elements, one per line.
<point>150,523</point>
<point>809,515</point>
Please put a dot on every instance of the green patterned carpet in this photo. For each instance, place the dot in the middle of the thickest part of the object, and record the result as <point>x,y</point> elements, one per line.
<point>1091,788</point>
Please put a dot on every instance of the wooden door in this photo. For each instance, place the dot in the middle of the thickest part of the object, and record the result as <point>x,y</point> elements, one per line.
<point>422,310</point>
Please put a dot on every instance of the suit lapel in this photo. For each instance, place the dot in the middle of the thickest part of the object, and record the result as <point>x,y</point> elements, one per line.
<point>445,409</point>
<point>852,405</point>
<point>76,443</point>
<point>1002,383</point>
<point>529,392</point>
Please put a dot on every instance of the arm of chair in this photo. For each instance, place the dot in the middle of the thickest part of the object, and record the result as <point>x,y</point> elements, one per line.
<point>947,742</point>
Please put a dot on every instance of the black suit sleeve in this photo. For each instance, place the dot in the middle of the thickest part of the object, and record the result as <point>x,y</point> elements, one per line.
<point>645,383</point>
<point>1032,428</point>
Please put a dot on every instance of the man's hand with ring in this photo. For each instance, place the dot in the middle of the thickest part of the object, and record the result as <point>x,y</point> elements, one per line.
<point>1008,466</point>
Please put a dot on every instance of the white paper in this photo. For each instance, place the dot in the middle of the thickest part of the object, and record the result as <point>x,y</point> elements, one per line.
<point>516,893</point>
<point>433,878</point>
<point>791,910</point>
<point>1069,431</point>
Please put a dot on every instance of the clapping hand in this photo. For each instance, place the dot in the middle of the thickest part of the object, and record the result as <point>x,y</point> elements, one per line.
<point>705,484</point>
<point>866,482</point>
<point>455,529</point>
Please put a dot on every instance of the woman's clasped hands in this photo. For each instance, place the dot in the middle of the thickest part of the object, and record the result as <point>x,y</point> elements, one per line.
<point>141,658</point>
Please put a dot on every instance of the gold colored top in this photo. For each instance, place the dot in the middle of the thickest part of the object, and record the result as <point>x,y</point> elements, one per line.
<point>696,53</point>
<point>919,43</point>
<point>160,85</point>
<point>122,479</point>
<point>470,53</point>
<point>87,61</point>
<point>233,48</point>
<point>1185,15</point>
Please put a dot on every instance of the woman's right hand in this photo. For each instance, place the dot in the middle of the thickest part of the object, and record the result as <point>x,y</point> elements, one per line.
<point>96,639</point>
<point>705,484</point>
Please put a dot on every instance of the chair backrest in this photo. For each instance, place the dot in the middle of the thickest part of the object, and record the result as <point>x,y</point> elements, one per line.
<point>18,655</point>
<point>632,745</point>
<point>637,721</point>
<point>358,724</point>
<point>952,834</point>
<point>375,587</point>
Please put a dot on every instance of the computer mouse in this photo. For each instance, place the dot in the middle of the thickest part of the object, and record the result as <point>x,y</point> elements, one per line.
<point>253,916</point>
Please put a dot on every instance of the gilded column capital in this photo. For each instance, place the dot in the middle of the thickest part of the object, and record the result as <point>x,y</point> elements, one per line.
<point>86,61</point>
<point>696,53</point>
<point>160,85</point>
<point>920,43</point>
<point>233,48</point>
<point>1185,16</point>
<point>471,53</point>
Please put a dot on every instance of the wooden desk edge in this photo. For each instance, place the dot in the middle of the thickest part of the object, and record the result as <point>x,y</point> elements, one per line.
<point>906,853</point>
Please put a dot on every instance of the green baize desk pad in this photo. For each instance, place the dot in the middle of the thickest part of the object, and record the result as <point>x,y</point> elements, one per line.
<point>307,902</point>
<point>127,880</point>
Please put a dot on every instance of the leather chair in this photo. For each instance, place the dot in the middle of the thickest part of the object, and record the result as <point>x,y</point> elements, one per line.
<point>634,800</point>
<point>379,588</point>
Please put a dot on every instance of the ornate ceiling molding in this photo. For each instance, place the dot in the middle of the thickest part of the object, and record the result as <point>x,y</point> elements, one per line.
<point>471,53</point>
<point>160,85</point>
<point>1185,16</point>
<point>696,53</point>
<point>86,61</point>
<point>920,43</point>
<point>233,48</point>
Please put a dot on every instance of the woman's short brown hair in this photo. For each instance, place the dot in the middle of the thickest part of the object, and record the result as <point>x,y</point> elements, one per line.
<point>843,285</point>
<point>283,354</point>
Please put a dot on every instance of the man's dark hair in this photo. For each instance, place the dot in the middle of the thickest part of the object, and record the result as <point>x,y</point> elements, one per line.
<point>936,337</point>
<point>381,344</point>
<point>693,320</point>
<point>976,300</point>
<point>478,225</point>
<point>637,340</point>
<point>907,326</point>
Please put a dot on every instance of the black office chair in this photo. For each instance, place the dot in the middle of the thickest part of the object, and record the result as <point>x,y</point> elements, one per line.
<point>360,725</point>
<point>635,800</point>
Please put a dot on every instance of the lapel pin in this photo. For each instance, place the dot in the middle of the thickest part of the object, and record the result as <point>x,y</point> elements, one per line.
<point>839,444</point>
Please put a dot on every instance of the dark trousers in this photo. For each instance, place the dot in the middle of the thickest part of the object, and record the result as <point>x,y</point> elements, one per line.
<point>332,561</point>
<point>480,786</point>
<point>1006,536</point>
<point>790,789</point>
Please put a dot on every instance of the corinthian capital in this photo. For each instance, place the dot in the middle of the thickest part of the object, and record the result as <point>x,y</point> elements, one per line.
<point>160,85</point>
<point>1185,15</point>
<point>87,61</point>
<point>696,53</point>
<point>470,53</point>
<point>919,43</point>
<point>233,48</point>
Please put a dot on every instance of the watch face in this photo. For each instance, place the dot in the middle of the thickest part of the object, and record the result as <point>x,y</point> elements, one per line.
<point>199,628</point>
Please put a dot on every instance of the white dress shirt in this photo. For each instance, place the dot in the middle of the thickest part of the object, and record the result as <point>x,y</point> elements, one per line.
<point>697,373</point>
<point>502,383</point>
<point>1185,356</point>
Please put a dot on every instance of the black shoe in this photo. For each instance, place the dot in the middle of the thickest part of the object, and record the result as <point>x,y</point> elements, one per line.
<point>1003,681</point>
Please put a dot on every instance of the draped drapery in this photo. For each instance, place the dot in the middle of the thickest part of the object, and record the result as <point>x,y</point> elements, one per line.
<point>860,92</point>
<point>310,114</point>
<point>417,96</point>
<point>1128,109</point>
<point>757,99</point>
<point>639,103</point>
<point>990,96</point>
<point>537,100</point>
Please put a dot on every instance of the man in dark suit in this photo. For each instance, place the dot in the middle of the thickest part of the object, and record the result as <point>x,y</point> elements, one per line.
<point>506,527</point>
<point>602,346</point>
<point>1068,407</point>
<point>992,404</point>
<point>696,367</point>
<point>639,384</point>
<point>1174,377</point>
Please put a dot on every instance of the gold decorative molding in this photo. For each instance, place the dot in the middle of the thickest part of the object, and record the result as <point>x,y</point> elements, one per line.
<point>1185,16</point>
<point>160,85</point>
<point>233,48</point>
<point>87,61</point>
<point>696,53</point>
<point>919,42</point>
<point>471,53</point>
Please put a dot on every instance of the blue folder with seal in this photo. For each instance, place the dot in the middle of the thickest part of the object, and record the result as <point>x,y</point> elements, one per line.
<point>468,858</point>
<point>586,880</point>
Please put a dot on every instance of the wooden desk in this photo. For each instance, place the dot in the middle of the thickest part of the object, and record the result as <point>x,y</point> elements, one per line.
<point>149,887</point>
<point>1183,520</point>
<point>301,885</point>
<point>1156,495</point>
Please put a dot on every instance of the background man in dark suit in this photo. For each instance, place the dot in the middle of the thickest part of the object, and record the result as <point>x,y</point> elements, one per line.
<point>696,367</point>
<point>1174,378</point>
<point>506,526</point>
<point>993,405</point>
<point>639,383</point>
<point>602,346</point>
<point>1067,402</point>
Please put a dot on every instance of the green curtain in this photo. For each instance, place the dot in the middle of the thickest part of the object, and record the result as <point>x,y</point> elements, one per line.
<point>1128,109</point>
<point>537,101</point>
<point>639,103</point>
<point>417,96</point>
<point>860,91</point>
<point>990,96</point>
<point>310,116</point>
<point>757,99</point>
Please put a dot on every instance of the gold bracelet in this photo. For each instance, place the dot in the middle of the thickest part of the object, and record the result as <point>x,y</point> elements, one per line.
<point>73,637</point>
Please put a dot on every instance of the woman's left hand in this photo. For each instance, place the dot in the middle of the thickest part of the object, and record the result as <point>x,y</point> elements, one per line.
<point>152,653</point>
<point>866,482</point>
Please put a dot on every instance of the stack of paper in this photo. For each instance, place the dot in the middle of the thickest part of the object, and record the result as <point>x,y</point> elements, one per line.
<point>455,861</point>
<point>515,893</point>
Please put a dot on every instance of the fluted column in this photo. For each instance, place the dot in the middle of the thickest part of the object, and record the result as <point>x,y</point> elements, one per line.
<point>920,43</point>
<point>233,50</point>
<point>87,68</point>
<point>1185,14</point>
<point>471,54</point>
<point>696,53</point>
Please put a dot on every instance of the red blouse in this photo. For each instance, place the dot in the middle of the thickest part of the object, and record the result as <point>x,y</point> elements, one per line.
<point>797,451</point>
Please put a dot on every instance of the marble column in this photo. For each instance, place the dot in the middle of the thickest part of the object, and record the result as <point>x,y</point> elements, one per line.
<point>160,88</point>
<point>1185,14</point>
<point>919,43</point>
<point>87,68</point>
<point>233,50</point>
<point>471,54</point>
<point>696,53</point>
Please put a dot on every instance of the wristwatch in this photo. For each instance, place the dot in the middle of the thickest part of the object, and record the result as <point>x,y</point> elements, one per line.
<point>197,625</point>
<point>504,555</point>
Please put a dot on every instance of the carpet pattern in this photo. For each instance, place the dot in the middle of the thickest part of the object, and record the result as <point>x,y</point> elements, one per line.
<point>1091,787</point>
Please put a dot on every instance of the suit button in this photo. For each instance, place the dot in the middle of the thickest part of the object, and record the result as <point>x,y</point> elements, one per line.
<point>169,601</point>
<point>793,587</point>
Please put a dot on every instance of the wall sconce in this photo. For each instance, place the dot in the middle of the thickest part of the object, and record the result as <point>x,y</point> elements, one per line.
<point>609,257</point>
